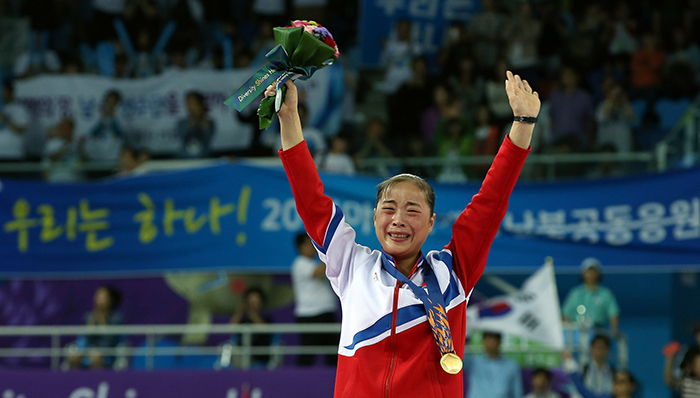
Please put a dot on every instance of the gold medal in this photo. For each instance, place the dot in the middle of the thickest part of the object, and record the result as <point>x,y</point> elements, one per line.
<point>451,363</point>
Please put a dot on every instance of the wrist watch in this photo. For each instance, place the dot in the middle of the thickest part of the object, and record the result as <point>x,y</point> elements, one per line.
<point>525,119</point>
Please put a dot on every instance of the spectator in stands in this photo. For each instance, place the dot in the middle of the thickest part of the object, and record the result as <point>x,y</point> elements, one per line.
<point>469,86</point>
<point>688,382</point>
<point>374,146</point>
<point>552,40</point>
<point>142,14</point>
<point>487,136</point>
<point>542,385</point>
<point>38,58</point>
<point>398,57</point>
<point>14,120</point>
<point>492,375</point>
<point>587,46</point>
<point>692,352</point>
<point>406,107</point>
<point>454,140</point>
<point>624,384</point>
<point>264,41</point>
<point>684,50</point>
<point>487,29</point>
<point>590,303</point>
<point>615,118</point>
<point>249,311</point>
<point>105,139</point>
<point>197,129</point>
<point>443,107</point>
<point>131,158</point>
<point>337,160</point>
<point>61,156</point>
<point>104,12</point>
<point>458,47</point>
<point>624,28</point>
<point>315,139</point>
<point>572,115</point>
<point>646,67</point>
<point>522,34</point>
<point>314,298</point>
<point>105,303</point>
<point>145,59</point>
<point>496,96</point>
<point>598,375</point>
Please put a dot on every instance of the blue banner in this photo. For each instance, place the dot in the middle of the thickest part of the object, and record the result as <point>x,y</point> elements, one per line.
<point>242,217</point>
<point>429,22</point>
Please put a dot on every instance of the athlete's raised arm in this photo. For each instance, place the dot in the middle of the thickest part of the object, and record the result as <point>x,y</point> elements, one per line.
<point>476,227</point>
<point>290,124</point>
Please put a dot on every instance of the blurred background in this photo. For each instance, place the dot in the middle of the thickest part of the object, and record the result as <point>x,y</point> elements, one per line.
<point>133,199</point>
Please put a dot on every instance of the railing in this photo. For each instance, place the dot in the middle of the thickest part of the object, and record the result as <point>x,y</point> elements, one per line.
<point>549,161</point>
<point>245,350</point>
<point>681,146</point>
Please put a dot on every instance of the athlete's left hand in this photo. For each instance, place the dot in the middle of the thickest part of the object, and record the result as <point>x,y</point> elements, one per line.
<point>523,100</point>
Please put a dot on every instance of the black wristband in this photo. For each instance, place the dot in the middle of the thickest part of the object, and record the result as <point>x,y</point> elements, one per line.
<point>525,119</point>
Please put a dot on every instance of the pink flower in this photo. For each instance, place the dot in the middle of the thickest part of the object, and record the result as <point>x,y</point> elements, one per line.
<point>299,23</point>
<point>308,27</point>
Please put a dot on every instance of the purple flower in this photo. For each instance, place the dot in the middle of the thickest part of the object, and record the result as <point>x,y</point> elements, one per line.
<point>322,32</point>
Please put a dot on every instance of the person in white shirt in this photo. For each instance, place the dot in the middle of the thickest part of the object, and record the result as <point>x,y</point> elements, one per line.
<point>597,376</point>
<point>314,298</point>
<point>60,153</point>
<point>541,385</point>
<point>398,53</point>
<point>106,137</point>
<point>337,160</point>
<point>14,120</point>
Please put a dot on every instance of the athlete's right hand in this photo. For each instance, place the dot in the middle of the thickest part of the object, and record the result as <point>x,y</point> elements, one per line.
<point>289,107</point>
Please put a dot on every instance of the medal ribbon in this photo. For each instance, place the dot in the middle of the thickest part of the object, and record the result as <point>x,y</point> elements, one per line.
<point>433,303</point>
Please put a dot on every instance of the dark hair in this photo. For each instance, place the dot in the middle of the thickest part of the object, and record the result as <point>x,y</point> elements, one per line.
<point>427,190</point>
<point>600,275</point>
<point>115,296</point>
<point>376,120</point>
<point>255,289</point>
<point>492,334</point>
<point>300,239</point>
<point>544,372</point>
<point>114,93</point>
<point>135,150</point>
<point>601,337</point>
<point>8,85</point>
<point>630,376</point>
<point>199,98</point>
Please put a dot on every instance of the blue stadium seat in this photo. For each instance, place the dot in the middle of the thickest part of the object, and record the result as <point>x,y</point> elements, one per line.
<point>670,111</point>
<point>172,361</point>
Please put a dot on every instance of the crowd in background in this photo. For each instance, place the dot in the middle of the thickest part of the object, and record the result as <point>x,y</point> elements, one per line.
<point>595,373</point>
<point>613,76</point>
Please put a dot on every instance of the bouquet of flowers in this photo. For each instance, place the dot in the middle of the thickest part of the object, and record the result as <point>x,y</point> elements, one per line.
<point>301,50</point>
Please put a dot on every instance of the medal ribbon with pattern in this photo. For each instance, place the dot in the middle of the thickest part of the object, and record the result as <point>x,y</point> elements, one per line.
<point>435,309</point>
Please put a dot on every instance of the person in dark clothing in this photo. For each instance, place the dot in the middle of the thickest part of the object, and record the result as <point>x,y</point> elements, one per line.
<point>249,312</point>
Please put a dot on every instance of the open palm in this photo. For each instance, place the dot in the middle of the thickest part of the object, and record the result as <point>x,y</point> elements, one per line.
<point>523,100</point>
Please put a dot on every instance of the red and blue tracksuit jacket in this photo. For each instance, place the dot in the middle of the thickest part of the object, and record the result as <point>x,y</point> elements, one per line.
<point>386,345</point>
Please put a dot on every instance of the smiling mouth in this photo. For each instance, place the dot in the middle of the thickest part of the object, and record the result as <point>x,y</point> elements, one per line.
<point>398,236</point>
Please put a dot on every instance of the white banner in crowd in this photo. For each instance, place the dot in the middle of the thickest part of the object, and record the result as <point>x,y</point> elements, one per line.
<point>151,107</point>
<point>533,312</point>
